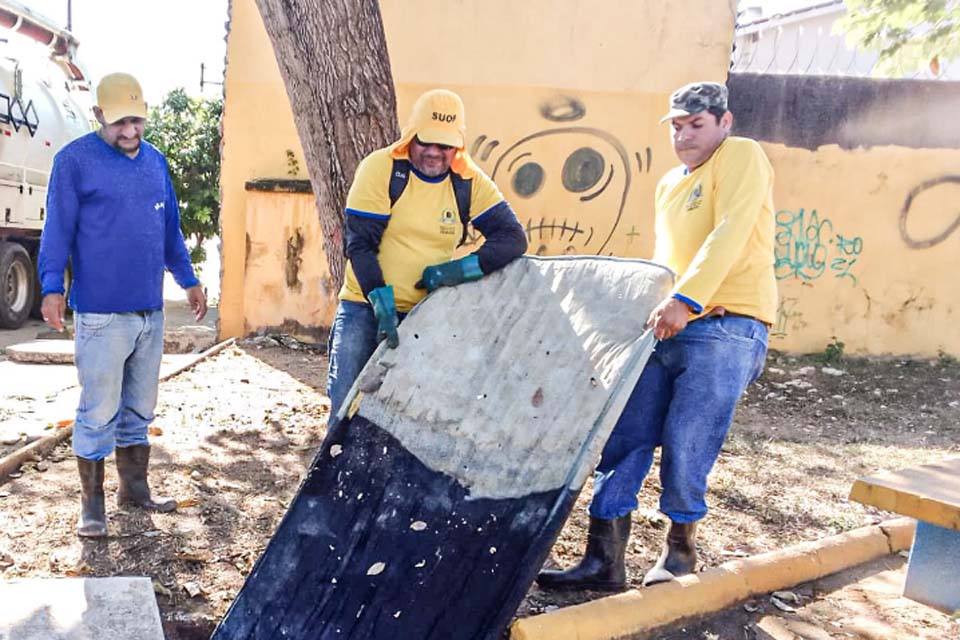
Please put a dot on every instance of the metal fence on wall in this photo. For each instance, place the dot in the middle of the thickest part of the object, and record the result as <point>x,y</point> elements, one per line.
<point>810,48</point>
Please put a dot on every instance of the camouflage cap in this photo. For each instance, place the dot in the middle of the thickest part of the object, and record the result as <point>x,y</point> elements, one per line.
<point>696,97</point>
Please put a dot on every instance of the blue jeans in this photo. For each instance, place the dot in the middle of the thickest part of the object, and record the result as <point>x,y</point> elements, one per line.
<point>118,363</point>
<point>684,402</point>
<point>352,340</point>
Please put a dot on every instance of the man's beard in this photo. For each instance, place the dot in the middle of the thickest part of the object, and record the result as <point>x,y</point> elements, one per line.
<point>431,172</point>
<point>118,146</point>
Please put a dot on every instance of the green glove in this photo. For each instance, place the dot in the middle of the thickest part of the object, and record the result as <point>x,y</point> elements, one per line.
<point>385,310</point>
<point>450,274</point>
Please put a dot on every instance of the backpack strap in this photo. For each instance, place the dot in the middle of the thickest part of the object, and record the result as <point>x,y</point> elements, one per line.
<point>461,191</point>
<point>398,179</point>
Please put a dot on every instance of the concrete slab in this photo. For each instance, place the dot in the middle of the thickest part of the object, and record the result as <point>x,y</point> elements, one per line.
<point>177,340</point>
<point>42,352</point>
<point>930,492</point>
<point>36,396</point>
<point>189,339</point>
<point>35,381</point>
<point>934,566</point>
<point>176,310</point>
<point>29,331</point>
<point>79,609</point>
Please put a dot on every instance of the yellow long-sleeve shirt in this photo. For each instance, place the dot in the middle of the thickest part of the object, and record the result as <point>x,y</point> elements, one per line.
<point>715,228</point>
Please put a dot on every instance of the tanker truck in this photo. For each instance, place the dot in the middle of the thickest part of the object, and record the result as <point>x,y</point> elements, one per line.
<point>44,103</point>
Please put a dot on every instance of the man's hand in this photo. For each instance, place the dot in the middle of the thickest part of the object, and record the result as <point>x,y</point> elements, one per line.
<point>669,318</point>
<point>197,300</point>
<point>52,309</point>
<point>450,274</point>
<point>385,310</point>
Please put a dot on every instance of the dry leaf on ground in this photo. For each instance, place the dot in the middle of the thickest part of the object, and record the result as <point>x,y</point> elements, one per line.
<point>161,590</point>
<point>193,589</point>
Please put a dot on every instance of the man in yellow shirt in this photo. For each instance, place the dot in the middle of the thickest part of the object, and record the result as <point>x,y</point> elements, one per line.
<point>407,208</point>
<point>715,228</point>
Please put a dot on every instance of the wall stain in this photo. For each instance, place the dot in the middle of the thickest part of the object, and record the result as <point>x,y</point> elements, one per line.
<point>812,111</point>
<point>294,260</point>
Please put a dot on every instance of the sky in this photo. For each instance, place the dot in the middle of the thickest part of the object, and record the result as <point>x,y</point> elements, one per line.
<point>161,42</point>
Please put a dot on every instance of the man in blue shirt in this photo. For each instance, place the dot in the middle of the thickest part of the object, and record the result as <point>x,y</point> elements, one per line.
<point>112,212</point>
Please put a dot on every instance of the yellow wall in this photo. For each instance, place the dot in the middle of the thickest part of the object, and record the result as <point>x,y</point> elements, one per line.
<point>846,270</point>
<point>287,282</point>
<point>543,82</point>
<point>556,86</point>
<point>258,130</point>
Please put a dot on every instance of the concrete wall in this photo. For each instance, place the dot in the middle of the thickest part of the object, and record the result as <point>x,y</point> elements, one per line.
<point>562,103</point>
<point>867,192</point>
<point>562,109</point>
<point>283,229</point>
<point>258,131</point>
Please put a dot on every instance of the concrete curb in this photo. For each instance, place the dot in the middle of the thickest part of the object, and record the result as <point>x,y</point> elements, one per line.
<point>12,462</point>
<point>717,588</point>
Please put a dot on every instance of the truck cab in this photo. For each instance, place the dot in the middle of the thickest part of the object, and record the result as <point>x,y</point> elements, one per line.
<point>44,104</point>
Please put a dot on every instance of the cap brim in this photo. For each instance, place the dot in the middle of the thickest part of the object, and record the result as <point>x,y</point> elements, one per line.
<point>675,113</point>
<point>441,136</point>
<point>127,111</point>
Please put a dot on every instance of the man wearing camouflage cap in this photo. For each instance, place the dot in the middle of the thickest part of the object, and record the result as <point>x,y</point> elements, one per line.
<point>715,228</point>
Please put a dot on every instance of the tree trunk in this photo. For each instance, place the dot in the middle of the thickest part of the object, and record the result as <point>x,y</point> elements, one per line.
<point>334,62</point>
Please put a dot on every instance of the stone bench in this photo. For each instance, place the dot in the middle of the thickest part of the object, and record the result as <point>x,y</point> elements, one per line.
<point>931,494</point>
<point>122,608</point>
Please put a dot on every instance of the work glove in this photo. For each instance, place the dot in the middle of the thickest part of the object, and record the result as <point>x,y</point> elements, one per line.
<point>385,310</point>
<point>450,274</point>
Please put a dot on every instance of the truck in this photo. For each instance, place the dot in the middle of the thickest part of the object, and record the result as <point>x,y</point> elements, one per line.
<point>45,102</point>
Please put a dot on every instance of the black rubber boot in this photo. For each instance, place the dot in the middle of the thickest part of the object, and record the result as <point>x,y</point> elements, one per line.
<point>93,515</point>
<point>602,567</point>
<point>132,465</point>
<point>679,555</point>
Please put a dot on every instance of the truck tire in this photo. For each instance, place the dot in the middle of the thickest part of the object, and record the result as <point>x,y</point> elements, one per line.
<point>16,285</point>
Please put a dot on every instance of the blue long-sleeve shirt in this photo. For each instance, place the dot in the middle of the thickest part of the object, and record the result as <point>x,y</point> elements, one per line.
<point>117,220</point>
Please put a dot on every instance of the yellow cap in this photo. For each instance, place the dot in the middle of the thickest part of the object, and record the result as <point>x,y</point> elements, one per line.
<point>119,96</point>
<point>438,117</point>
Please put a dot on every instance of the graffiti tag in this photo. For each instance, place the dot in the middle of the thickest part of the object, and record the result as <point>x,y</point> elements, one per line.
<point>787,313</point>
<point>925,243</point>
<point>806,247</point>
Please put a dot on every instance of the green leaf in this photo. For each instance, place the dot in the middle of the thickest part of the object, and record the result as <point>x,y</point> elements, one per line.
<point>187,131</point>
<point>908,34</point>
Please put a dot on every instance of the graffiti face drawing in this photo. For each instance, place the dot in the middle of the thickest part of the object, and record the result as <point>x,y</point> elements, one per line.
<point>568,185</point>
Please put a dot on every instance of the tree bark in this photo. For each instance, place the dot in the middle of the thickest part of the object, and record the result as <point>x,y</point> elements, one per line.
<point>334,62</point>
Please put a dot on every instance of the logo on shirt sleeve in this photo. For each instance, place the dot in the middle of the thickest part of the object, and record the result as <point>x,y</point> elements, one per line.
<point>695,199</point>
<point>158,206</point>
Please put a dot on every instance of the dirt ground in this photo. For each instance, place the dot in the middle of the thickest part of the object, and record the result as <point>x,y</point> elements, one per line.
<point>234,435</point>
